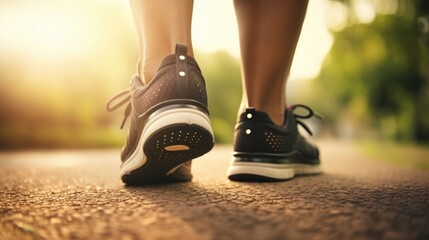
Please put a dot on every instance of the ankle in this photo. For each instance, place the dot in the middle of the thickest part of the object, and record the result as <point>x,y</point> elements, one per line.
<point>148,67</point>
<point>147,70</point>
<point>277,118</point>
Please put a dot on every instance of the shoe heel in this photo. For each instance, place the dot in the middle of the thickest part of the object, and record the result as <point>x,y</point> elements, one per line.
<point>170,138</point>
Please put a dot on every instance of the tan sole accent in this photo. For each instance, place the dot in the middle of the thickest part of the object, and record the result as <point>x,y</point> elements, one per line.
<point>174,148</point>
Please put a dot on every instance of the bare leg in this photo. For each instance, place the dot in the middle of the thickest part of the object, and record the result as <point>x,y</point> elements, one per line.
<point>160,25</point>
<point>269,31</point>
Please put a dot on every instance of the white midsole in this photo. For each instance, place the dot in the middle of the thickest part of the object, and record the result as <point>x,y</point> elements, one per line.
<point>304,169</point>
<point>161,120</point>
<point>261,169</point>
<point>277,171</point>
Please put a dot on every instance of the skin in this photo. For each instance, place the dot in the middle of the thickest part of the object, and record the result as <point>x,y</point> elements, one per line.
<point>160,24</point>
<point>269,31</point>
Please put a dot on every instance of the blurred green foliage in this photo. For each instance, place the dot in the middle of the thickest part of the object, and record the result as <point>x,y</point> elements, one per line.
<point>222,74</point>
<point>376,73</point>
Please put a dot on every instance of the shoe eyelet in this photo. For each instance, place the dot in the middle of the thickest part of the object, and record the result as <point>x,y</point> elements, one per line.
<point>248,131</point>
<point>182,73</point>
<point>182,57</point>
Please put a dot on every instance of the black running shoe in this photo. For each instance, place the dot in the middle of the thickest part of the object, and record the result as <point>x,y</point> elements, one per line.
<point>264,151</point>
<point>169,122</point>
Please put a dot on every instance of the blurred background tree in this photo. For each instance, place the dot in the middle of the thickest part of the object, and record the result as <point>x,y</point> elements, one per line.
<point>376,70</point>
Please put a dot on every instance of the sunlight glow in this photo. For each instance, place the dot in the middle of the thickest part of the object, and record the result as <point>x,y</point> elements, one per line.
<point>51,32</point>
<point>44,35</point>
<point>336,17</point>
<point>313,45</point>
<point>215,28</point>
<point>365,11</point>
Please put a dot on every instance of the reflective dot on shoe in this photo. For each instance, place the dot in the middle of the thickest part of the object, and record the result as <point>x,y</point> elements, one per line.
<point>249,115</point>
<point>182,73</point>
<point>248,131</point>
<point>181,57</point>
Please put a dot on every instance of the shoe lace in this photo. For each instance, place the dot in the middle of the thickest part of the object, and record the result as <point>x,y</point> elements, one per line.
<point>124,97</point>
<point>310,113</point>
